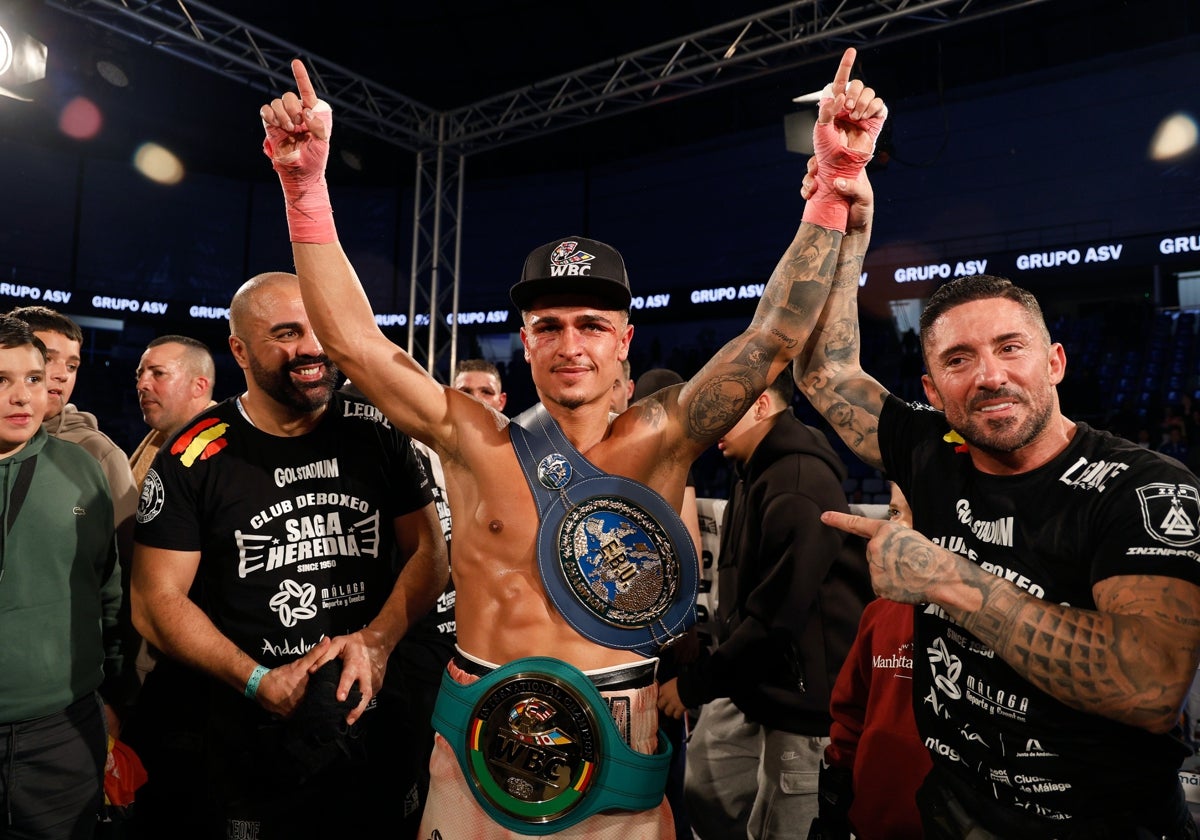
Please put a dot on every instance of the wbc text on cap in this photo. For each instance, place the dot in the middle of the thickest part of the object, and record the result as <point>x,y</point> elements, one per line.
<point>573,265</point>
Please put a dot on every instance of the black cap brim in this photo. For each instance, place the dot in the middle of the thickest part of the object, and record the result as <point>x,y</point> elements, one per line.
<point>614,295</point>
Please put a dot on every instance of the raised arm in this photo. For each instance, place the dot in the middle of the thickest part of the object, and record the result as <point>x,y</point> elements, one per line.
<point>829,371</point>
<point>848,123</point>
<point>298,127</point>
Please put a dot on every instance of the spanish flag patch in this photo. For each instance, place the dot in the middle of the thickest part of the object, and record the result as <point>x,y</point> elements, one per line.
<point>960,445</point>
<point>201,441</point>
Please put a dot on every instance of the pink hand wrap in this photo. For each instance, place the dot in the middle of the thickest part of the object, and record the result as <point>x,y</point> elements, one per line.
<point>302,175</point>
<point>826,207</point>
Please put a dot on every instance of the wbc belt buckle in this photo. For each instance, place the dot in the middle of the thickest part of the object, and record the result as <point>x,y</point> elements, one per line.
<point>533,747</point>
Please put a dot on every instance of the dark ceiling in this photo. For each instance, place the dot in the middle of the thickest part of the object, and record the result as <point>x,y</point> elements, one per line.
<point>450,53</point>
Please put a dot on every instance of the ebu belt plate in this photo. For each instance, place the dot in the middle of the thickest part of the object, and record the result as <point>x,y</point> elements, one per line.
<point>613,555</point>
<point>612,569</point>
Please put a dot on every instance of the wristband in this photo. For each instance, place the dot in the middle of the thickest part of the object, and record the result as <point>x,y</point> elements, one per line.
<point>256,676</point>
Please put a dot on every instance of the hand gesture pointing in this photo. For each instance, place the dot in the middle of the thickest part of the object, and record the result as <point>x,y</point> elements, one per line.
<point>298,128</point>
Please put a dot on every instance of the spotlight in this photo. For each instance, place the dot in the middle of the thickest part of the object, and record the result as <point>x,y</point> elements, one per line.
<point>1175,137</point>
<point>798,131</point>
<point>798,125</point>
<point>22,60</point>
<point>6,52</point>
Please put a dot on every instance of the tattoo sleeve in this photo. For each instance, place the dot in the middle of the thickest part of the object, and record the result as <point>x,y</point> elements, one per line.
<point>786,315</point>
<point>1132,660</point>
<point>829,371</point>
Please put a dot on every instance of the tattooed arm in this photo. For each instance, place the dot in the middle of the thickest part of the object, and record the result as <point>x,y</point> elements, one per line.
<point>1132,659</point>
<point>829,371</point>
<point>714,399</point>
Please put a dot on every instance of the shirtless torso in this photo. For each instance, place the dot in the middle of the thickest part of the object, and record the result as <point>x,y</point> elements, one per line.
<point>503,610</point>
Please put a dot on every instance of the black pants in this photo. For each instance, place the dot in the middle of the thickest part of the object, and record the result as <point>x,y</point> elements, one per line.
<point>166,728</point>
<point>952,811</point>
<point>52,772</point>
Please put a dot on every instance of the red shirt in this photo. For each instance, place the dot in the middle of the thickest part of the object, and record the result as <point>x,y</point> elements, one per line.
<point>873,730</point>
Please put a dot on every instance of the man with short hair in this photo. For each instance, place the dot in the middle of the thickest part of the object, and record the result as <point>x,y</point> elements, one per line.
<point>175,380</point>
<point>63,339</point>
<point>59,599</point>
<point>298,519</point>
<point>623,388</point>
<point>547,716</point>
<point>1053,566</point>
<point>480,379</point>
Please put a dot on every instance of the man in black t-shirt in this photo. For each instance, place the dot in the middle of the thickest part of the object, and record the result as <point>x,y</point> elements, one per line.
<point>1054,568</point>
<point>266,535</point>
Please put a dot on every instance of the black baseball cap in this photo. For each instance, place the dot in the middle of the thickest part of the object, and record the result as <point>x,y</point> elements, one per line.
<point>573,265</point>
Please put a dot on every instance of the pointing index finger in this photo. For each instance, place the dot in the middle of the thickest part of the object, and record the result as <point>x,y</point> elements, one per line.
<point>308,94</point>
<point>842,78</point>
<point>862,526</point>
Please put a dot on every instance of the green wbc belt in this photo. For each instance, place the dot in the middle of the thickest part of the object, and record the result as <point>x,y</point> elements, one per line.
<point>539,748</point>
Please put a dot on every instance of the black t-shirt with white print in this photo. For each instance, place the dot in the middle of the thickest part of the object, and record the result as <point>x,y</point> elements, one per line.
<point>1102,507</point>
<point>296,534</point>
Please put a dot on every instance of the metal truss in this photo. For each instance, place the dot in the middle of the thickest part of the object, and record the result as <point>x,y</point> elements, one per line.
<point>437,247</point>
<point>209,38</point>
<point>787,36</point>
<point>781,38</point>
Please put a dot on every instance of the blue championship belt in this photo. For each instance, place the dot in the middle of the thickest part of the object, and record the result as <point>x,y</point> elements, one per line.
<point>539,749</point>
<point>614,557</point>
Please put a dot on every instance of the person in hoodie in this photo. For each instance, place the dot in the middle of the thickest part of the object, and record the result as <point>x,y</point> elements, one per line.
<point>63,340</point>
<point>60,590</point>
<point>791,592</point>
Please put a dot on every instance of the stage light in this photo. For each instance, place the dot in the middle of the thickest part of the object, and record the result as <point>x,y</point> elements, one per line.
<point>112,73</point>
<point>80,119</point>
<point>352,160</point>
<point>6,51</point>
<point>158,164</point>
<point>798,125</point>
<point>22,60</point>
<point>798,131</point>
<point>1175,137</point>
